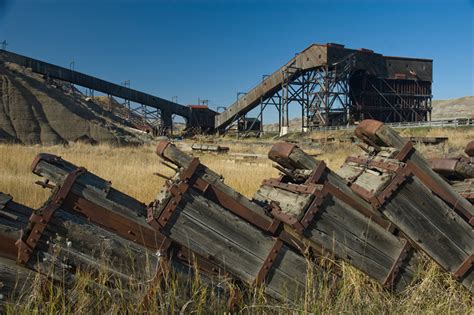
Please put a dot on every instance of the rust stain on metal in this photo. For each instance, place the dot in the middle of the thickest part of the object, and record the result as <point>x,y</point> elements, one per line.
<point>464,267</point>
<point>40,221</point>
<point>268,262</point>
<point>395,269</point>
<point>281,151</point>
<point>161,147</point>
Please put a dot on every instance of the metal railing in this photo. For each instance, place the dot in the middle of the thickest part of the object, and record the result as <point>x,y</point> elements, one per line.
<point>420,124</point>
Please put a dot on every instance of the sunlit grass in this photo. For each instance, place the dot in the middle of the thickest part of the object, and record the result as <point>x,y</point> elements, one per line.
<point>131,171</point>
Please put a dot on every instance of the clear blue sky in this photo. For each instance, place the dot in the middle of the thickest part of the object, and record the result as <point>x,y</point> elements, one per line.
<point>214,49</point>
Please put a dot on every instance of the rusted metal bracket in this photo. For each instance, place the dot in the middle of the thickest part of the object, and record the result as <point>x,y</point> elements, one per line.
<point>268,262</point>
<point>177,192</point>
<point>285,218</point>
<point>464,267</point>
<point>405,151</point>
<point>401,176</point>
<point>315,206</point>
<point>469,150</point>
<point>317,174</point>
<point>7,247</point>
<point>40,221</point>
<point>395,269</point>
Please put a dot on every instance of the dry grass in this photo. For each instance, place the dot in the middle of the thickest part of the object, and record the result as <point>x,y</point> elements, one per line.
<point>130,170</point>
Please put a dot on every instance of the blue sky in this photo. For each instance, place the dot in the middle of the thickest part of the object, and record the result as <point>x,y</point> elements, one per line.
<point>214,49</point>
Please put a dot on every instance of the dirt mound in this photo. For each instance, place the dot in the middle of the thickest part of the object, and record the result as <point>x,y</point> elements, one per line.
<point>34,111</point>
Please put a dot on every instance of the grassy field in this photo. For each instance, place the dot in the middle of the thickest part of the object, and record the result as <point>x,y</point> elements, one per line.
<point>131,171</point>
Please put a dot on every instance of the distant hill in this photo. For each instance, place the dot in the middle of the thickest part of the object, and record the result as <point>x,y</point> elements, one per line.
<point>462,107</point>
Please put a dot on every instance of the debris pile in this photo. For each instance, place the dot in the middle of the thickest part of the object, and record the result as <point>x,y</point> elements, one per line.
<point>379,212</point>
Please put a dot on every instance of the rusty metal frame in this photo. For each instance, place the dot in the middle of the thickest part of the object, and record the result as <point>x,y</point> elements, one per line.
<point>177,192</point>
<point>40,221</point>
<point>112,221</point>
<point>395,269</point>
<point>281,151</point>
<point>8,248</point>
<point>268,262</point>
<point>465,266</point>
<point>285,218</point>
<point>317,174</point>
<point>405,151</point>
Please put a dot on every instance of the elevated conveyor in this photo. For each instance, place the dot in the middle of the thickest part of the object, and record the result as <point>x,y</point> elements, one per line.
<point>166,107</point>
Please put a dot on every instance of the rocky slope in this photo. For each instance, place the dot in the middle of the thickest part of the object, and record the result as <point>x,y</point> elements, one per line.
<point>33,111</point>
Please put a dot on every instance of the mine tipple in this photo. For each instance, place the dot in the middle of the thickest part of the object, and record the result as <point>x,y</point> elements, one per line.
<point>321,210</point>
<point>399,183</point>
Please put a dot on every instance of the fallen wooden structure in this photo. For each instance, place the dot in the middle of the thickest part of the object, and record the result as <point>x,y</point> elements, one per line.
<point>87,225</point>
<point>400,184</point>
<point>327,215</point>
<point>377,213</point>
<point>199,210</point>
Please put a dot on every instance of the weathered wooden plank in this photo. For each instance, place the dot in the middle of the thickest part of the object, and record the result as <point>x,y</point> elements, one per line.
<point>14,280</point>
<point>433,226</point>
<point>234,244</point>
<point>289,202</point>
<point>377,132</point>
<point>57,169</point>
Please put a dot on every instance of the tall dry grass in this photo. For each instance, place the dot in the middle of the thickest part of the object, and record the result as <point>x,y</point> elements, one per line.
<point>131,171</point>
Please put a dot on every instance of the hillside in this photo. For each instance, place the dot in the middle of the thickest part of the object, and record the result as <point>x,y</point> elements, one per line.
<point>36,111</point>
<point>462,107</point>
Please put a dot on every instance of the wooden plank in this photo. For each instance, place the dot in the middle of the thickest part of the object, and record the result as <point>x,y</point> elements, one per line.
<point>91,184</point>
<point>433,226</point>
<point>237,246</point>
<point>386,136</point>
<point>290,203</point>
<point>14,280</point>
